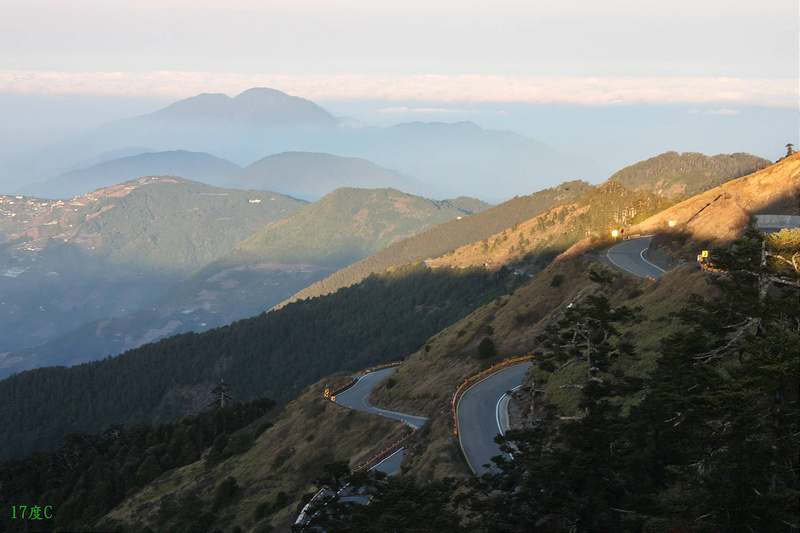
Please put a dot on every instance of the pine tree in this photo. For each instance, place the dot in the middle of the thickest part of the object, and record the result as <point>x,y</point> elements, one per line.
<point>222,397</point>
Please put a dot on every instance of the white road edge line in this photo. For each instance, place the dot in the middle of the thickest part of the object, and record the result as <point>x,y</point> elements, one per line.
<point>497,415</point>
<point>641,254</point>
<point>387,458</point>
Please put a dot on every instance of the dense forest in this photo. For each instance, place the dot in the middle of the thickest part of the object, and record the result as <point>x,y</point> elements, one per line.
<point>275,354</point>
<point>89,474</point>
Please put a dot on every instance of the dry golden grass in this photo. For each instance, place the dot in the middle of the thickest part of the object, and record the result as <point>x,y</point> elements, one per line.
<point>308,433</point>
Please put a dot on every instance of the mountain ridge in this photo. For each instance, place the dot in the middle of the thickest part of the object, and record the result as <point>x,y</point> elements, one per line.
<point>195,166</point>
<point>106,253</point>
<point>267,266</point>
<point>684,174</point>
<point>312,175</point>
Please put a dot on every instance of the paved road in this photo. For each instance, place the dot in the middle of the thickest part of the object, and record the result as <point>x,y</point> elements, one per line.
<point>357,397</point>
<point>629,257</point>
<point>478,418</point>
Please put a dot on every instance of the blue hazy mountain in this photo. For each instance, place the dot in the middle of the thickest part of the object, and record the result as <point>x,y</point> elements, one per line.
<point>311,175</point>
<point>449,159</point>
<point>196,166</point>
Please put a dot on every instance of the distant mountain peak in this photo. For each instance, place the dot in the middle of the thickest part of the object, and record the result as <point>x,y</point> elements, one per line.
<point>259,106</point>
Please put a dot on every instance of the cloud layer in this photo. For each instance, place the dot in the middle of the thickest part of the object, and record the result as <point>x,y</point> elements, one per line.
<point>590,91</point>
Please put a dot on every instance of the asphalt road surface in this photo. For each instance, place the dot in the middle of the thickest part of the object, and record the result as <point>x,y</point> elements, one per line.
<point>629,257</point>
<point>357,397</point>
<point>478,418</point>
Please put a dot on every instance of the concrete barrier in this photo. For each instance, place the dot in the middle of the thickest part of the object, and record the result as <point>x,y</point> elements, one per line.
<point>777,221</point>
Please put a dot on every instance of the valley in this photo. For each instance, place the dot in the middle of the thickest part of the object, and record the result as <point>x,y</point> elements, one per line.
<point>124,307</point>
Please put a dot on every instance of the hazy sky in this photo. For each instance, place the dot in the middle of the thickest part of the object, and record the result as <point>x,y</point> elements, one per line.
<point>589,52</point>
<point>623,79</point>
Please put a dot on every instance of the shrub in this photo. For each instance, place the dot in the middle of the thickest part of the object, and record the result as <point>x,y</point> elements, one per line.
<point>486,348</point>
<point>226,492</point>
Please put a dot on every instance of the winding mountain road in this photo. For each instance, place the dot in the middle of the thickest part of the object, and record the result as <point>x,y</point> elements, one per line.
<point>628,256</point>
<point>357,397</point>
<point>481,413</point>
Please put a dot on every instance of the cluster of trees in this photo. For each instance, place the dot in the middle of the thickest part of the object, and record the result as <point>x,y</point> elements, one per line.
<point>276,354</point>
<point>707,442</point>
<point>89,474</point>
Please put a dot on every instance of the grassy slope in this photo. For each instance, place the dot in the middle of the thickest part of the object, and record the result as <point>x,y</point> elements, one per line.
<point>596,212</point>
<point>447,236</point>
<point>308,433</point>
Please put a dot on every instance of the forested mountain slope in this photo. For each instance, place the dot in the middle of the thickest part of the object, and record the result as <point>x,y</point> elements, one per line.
<point>273,263</point>
<point>662,389</point>
<point>518,324</point>
<point>681,356</point>
<point>683,175</point>
<point>275,354</point>
<point>514,322</point>
<point>106,253</point>
<point>448,236</point>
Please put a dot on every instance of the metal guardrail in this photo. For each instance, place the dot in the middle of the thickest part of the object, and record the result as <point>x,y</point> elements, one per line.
<point>480,376</point>
<point>332,393</point>
<point>379,367</point>
<point>374,460</point>
<point>380,456</point>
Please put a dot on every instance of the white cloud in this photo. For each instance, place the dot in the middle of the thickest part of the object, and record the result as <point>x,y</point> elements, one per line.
<point>432,111</point>
<point>723,111</point>
<point>590,91</point>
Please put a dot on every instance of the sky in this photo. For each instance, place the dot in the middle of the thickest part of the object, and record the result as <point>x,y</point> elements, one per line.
<point>414,60</point>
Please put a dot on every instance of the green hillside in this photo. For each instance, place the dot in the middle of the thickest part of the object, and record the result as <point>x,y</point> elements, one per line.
<point>276,262</point>
<point>114,250</point>
<point>288,255</point>
<point>448,236</point>
<point>180,225</point>
<point>343,227</point>
<point>160,224</point>
<point>683,175</point>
